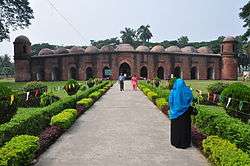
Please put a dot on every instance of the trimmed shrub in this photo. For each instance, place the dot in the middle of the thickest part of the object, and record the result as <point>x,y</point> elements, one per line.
<point>64,119</point>
<point>7,109</point>
<point>161,103</point>
<point>87,102</point>
<point>146,90</point>
<point>237,91</point>
<point>213,120</point>
<point>31,86</point>
<point>19,150</point>
<point>48,137</point>
<point>35,121</point>
<point>95,95</point>
<point>90,83</point>
<point>157,81</point>
<point>102,91</point>
<point>71,87</point>
<point>47,99</point>
<point>221,152</point>
<point>152,96</point>
<point>217,88</point>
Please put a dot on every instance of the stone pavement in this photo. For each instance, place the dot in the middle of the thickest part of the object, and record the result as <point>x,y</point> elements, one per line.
<point>121,129</point>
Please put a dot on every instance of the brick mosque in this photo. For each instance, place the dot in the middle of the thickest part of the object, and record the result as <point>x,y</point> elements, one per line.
<point>109,62</point>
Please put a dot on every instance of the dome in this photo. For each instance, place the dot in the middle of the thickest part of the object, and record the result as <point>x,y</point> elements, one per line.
<point>124,47</point>
<point>46,51</point>
<point>229,39</point>
<point>61,51</point>
<point>158,48</point>
<point>142,49</point>
<point>76,50</point>
<point>107,48</point>
<point>189,49</point>
<point>205,50</point>
<point>173,49</point>
<point>22,39</point>
<point>91,50</point>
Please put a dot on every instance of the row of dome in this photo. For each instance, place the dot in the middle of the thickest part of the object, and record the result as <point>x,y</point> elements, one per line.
<point>125,48</point>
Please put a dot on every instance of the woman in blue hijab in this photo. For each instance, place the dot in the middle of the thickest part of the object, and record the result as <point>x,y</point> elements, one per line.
<point>179,101</point>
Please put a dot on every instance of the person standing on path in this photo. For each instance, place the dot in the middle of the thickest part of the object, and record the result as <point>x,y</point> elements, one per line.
<point>121,82</point>
<point>134,82</point>
<point>180,99</point>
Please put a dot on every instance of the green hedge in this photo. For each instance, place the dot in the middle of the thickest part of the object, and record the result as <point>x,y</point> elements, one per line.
<point>19,150</point>
<point>152,96</point>
<point>95,95</point>
<point>87,102</point>
<point>213,120</point>
<point>161,103</point>
<point>33,122</point>
<point>64,119</point>
<point>221,152</point>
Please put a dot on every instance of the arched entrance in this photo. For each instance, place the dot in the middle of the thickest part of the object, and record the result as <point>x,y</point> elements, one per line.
<point>89,73</point>
<point>193,73</point>
<point>160,73</point>
<point>40,75</point>
<point>144,72</point>
<point>177,72</point>
<point>72,73</point>
<point>210,73</point>
<point>105,72</point>
<point>125,69</point>
<point>55,75</point>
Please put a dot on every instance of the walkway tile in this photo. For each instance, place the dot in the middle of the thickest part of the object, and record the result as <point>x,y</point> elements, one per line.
<point>121,129</point>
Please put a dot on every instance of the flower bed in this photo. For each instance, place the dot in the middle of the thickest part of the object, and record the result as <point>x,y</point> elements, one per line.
<point>64,119</point>
<point>83,105</point>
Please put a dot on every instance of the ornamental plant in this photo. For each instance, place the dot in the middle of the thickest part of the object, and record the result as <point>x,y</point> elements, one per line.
<point>90,82</point>
<point>47,99</point>
<point>64,119</point>
<point>8,105</point>
<point>152,96</point>
<point>217,88</point>
<point>95,95</point>
<point>157,81</point>
<point>71,87</point>
<point>171,83</point>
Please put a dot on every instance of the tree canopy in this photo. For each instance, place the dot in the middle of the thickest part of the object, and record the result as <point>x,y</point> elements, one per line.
<point>144,34</point>
<point>14,14</point>
<point>6,67</point>
<point>245,15</point>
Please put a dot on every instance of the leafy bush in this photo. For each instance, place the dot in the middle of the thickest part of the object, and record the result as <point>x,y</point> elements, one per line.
<point>237,91</point>
<point>7,109</point>
<point>146,90</point>
<point>90,83</point>
<point>161,103</point>
<point>71,87</point>
<point>102,91</point>
<point>157,81</point>
<point>222,152</point>
<point>217,88</point>
<point>171,83</point>
<point>33,122</point>
<point>19,150</point>
<point>95,95</point>
<point>213,120</point>
<point>64,119</point>
<point>47,99</point>
<point>31,86</point>
<point>152,96</point>
<point>87,102</point>
<point>83,87</point>
<point>48,137</point>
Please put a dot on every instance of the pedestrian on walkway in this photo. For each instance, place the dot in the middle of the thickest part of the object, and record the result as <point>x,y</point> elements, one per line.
<point>180,100</point>
<point>121,82</point>
<point>134,82</point>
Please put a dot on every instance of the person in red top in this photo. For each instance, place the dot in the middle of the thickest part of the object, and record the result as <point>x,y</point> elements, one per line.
<point>134,81</point>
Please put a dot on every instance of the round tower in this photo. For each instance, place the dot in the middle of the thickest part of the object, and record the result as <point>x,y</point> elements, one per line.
<point>229,70</point>
<point>22,53</point>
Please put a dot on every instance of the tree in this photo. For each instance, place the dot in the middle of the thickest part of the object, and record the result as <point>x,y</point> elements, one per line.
<point>245,15</point>
<point>36,48</point>
<point>6,67</point>
<point>128,36</point>
<point>14,14</point>
<point>100,43</point>
<point>144,33</point>
<point>183,41</point>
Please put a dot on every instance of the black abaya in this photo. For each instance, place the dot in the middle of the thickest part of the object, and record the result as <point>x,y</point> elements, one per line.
<point>181,131</point>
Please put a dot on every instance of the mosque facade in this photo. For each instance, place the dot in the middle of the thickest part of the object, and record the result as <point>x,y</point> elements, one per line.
<point>108,62</point>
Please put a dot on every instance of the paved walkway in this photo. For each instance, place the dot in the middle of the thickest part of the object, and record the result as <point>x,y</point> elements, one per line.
<point>121,129</point>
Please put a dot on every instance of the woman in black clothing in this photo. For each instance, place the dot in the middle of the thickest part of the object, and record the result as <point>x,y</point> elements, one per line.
<point>180,100</point>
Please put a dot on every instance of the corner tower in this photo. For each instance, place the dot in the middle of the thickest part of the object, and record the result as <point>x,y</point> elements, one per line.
<point>22,53</point>
<point>229,69</point>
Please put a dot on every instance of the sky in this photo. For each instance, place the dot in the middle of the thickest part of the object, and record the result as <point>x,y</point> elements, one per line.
<point>200,20</point>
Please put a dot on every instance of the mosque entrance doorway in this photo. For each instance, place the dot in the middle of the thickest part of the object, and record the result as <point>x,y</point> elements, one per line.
<point>125,69</point>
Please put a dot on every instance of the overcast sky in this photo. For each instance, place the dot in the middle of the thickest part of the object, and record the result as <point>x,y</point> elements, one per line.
<point>200,20</point>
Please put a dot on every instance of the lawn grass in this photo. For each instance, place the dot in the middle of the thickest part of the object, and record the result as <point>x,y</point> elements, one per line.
<point>52,86</point>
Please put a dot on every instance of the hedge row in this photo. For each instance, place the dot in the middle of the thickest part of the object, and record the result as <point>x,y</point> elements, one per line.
<point>64,119</point>
<point>216,122</point>
<point>34,122</point>
<point>19,150</point>
<point>221,152</point>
